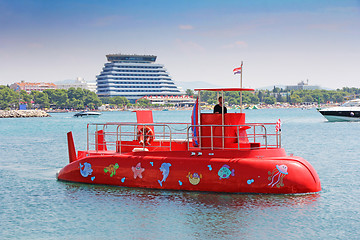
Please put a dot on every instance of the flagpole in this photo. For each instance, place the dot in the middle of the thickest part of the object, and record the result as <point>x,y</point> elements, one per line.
<point>241,86</point>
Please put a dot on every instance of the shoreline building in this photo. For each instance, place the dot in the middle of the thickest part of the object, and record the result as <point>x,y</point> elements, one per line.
<point>78,83</point>
<point>28,87</point>
<point>134,77</point>
<point>302,86</point>
<point>182,101</point>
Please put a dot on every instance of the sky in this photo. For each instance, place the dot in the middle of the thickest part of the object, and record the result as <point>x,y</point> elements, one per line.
<point>280,42</point>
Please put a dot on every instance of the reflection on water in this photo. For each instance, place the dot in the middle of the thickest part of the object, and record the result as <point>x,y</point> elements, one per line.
<point>217,214</point>
<point>211,200</point>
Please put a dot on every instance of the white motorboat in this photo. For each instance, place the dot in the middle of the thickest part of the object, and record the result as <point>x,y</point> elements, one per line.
<point>349,111</point>
<point>87,114</point>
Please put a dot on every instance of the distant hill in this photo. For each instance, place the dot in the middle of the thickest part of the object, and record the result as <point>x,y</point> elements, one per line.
<point>195,84</point>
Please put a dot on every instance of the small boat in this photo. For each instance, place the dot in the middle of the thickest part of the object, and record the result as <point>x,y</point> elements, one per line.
<point>349,111</point>
<point>87,114</point>
<point>213,153</point>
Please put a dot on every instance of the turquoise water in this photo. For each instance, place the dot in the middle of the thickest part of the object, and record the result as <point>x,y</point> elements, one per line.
<point>33,205</point>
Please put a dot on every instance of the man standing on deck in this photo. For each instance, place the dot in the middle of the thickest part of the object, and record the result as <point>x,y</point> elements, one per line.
<point>218,107</point>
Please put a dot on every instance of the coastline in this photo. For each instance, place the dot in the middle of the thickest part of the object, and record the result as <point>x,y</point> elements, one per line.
<point>43,113</point>
<point>205,107</point>
<point>23,113</point>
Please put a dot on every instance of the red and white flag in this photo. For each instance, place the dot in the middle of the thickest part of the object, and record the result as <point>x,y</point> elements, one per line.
<point>237,70</point>
<point>278,125</point>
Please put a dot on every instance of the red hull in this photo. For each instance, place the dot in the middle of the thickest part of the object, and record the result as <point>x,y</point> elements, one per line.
<point>243,171</point>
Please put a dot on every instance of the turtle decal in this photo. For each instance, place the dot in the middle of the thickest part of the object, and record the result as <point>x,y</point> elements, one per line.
<point>111,169</point>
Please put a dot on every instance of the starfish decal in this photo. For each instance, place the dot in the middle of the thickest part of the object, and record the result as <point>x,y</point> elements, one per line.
<point>138,170</point>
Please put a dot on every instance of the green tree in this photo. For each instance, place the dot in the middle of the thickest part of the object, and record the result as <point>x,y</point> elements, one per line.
<point>41,98</point>
<point>79,94</point>
<point>338,98</point>
<point>143,102</point>
<point>276,90</point>
<point>91,100</point>
<point>308,98</point>
<point>71,93</point>
<point>189,92</point>
<point>232,101</point>
<point>26,98</point>
<point>280,98</point>
<point>270,100</point>
<point>57,97</point>
<point>260,96</point>
<point>254,99</point>
<point>294,98</point>
<point>76,104</point>
<point>120,101</point>
<point>8,98</point>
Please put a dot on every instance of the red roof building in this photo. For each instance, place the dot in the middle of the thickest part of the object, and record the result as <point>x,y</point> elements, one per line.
<point>28,87</point>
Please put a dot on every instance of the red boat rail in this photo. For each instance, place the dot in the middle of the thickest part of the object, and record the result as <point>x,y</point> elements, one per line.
<point>129,137</point>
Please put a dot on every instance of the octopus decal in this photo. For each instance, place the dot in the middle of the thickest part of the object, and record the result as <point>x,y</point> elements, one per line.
<point>277,175</point>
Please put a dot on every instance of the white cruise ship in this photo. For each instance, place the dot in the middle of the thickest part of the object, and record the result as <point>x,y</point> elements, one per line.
<point>135,76</point>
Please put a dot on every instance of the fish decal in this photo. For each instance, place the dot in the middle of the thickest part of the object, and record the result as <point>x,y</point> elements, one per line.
<point>225,172</point>
<point>165,169</point>
<point>86,171</point>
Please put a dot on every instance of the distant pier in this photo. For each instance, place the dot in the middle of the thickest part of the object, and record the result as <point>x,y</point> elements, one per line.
<point>23,113</point>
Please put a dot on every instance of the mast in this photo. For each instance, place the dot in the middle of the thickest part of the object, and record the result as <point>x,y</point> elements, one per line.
<point>241,86</point>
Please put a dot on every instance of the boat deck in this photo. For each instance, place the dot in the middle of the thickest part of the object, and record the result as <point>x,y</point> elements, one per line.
<point>112,138</point>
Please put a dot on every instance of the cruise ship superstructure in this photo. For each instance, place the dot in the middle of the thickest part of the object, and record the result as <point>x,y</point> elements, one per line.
<point>135,76</point>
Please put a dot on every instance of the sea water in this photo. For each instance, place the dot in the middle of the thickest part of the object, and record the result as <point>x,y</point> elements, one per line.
<point>34,205</point>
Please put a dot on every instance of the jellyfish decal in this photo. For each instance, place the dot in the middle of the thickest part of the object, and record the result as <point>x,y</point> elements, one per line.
<point>277,175</point>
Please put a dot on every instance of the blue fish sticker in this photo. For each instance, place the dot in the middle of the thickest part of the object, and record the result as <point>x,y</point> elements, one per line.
<point>165,169</point>
<point>86,171</point>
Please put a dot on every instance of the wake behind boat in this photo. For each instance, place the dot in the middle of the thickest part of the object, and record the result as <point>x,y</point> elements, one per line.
<point>87,114</point>
<point>349,111</point>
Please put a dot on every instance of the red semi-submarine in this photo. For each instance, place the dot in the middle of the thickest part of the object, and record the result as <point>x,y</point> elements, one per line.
<point>214,153</point>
